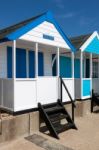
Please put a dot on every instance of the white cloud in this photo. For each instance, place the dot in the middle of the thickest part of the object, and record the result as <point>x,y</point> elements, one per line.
<point>87,21</point>
<point>66,16</point>
<point>59,3</point>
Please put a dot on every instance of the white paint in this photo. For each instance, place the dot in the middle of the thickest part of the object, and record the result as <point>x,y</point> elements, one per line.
<point>7,93</point>
<point>14,59</point>
<point>98,66</point>
<point>81,73</point>
<point>91,66</point>
<point>27,63</point>
<point>3,61</point>
<point>58,63</point>
<point>36,35</point>
<point>70,85</point>
<point>77,89</point>
<point>47,91</point>
<point>25,95</point>
<point>72,56</point>
<point>36,60</point>
<point>89,40</point>
<point>47,64</point>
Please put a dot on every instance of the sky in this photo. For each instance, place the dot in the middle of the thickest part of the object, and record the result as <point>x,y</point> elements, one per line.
<point>76,17</point>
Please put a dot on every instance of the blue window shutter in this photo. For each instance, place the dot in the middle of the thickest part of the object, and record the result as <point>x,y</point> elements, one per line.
<point>65,67</point>
<point>31,56</point>
<point>20,63</point>
<point>9,62</point>
<point>40,64</point>
<point>77,68</point>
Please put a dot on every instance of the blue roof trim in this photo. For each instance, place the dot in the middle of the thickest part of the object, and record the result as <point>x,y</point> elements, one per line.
<point>4,40</point>
<point>18,33</point>
<point>93,47</point>
<point>48,17</point>
<point>52,20</point>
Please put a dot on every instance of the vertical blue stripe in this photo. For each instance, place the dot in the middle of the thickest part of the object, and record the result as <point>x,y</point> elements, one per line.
<point>31,56</point>
<point>86,87</point>
<point>9,62</point>
<point>65,67</point>
<point>40,64</point>
<point>20,63</point>
<point>77,68</point>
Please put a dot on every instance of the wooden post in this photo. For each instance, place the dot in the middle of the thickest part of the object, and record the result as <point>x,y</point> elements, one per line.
<point>72,55</point>
<point>27,63</point>
<point>58,74</point>
<point>36,60</point>
<point>90,65</point>
<point>98,66</point>
<point>91,73</point>
<point>14,59</point>
<point>58,63</point>
<point>81,71</point>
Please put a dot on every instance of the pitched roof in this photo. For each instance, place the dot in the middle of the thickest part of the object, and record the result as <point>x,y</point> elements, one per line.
<point>78,41</point>
<point>17,30</point>
<point>13,28</point>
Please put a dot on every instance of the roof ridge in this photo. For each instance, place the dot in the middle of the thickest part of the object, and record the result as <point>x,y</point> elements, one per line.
<point>82,35</point>
<point>24,22</point>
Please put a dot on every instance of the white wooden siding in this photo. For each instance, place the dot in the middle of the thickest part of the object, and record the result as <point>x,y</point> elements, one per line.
<point>47,90</point>
<point>3,61</point>
<point>47,28</point>
<point>70,85</point>
<point>47,64</point>
<point>24,94</point>
<point>7,93</point>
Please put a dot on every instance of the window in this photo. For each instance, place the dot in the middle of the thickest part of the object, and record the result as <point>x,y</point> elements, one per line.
<point>20,63</point>
<point>31,64</point>
<point>9,62</point>
<point>95,70</point>
<point>24,67</point>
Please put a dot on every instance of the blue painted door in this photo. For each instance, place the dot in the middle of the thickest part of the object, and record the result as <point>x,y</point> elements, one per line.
<point>20,63</point>
<point>9,62</point>
<point>65,67</point>
<point>77,68</point>
<point>40,64</point>
<point>31,58</point>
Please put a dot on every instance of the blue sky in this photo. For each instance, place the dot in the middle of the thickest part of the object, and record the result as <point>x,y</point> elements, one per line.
<point>74,16</point>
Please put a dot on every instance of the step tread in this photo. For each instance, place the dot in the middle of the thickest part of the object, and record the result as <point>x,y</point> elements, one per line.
<point>60,128</point>
<point>54,109</point>
<point>57,117</point>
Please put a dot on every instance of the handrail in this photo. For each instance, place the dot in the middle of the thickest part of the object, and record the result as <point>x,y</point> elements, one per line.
<point>62,82</point>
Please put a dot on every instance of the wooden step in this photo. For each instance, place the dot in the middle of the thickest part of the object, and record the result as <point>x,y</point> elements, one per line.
<point>54,110</point>
<point>63,127</point>
<point>57,117</point>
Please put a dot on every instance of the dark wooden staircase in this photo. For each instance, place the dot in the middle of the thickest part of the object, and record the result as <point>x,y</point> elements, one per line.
<point>53,114</point>
<point>94,100</point>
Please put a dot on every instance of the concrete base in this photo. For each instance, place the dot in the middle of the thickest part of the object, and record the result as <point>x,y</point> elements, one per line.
<point>21,125</point>
<point>82,108</point>
<point>25,124</point>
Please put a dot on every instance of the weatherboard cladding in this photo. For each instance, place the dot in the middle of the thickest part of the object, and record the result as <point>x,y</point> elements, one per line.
<point>48,29</point>
<point>16,31</point>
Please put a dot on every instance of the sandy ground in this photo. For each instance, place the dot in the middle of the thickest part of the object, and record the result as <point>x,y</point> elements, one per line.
<point>85,138</point>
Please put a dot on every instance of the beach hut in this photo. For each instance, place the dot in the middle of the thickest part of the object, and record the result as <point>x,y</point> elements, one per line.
<point>28,52</point>
<point>86,66</point>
